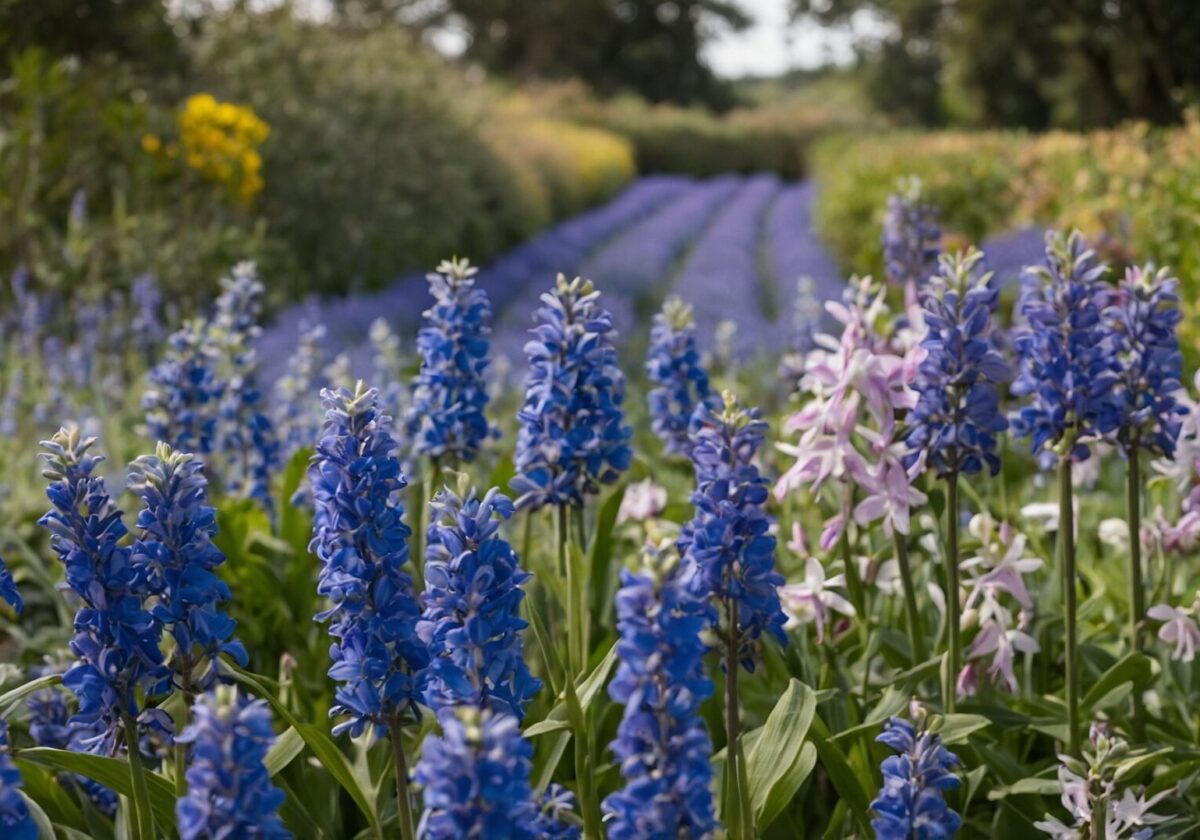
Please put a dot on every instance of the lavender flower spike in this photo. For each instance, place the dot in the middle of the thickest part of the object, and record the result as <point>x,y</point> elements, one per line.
<point>673,365</point>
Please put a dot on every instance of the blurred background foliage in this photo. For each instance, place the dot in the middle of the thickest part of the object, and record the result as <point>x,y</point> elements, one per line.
<point>373,154</point>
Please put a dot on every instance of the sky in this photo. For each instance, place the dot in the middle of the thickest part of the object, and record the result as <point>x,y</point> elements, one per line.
<point>773,45</point>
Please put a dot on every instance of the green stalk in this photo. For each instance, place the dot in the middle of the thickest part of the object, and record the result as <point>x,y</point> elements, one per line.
<point>143,816</point>
<point>1066,537</point>
<point>953,607</point>
<point>180,750</point>
<point>915,635</point>
<point>1137,590</point>
<point>417,498</point>
<point>734,774</point>
<point>403,801</point>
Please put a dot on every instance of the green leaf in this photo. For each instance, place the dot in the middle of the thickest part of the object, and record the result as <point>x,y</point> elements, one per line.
<point>557,719</point>
<point>546,775</point>
<point>773,761</point>
<point>43,788</point>
<point>954,729</point>
<point>600,553</point>
<point>295,814</point>
<point>10,701</point>
<point>286,747</point>
<point>841,774</point>
<point>1039,787</point>
<point>295,526</point>
<point>1133,668</point>
<point>322,746</point>
<point>44,826</point>
<point>112,773</point>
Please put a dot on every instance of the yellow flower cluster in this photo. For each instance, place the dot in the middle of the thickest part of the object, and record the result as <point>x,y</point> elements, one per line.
<point>219,141</point>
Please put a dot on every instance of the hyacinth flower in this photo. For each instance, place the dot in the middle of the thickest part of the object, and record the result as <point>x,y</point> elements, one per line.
<point>573,436</point>
<point>954,425</point>
<point>680,380</point>
<point>50,725</point>
<point>729,553</point>
<point>475,777</point>
<point>910,238</point>
<point>183,394</point>
<point>1144,315</point>
<point>1090,789</point>
<point>911,803</point>
<point>16,823</point>
<point>362,543</point>
<point>662,746</point>
<point>298,417</point>
<point>229,790</point>
<point>9,593</point>
<point>116,639</point>
<point>995,583</point>
<point>471,622</point>
<point>1068,375</point>
<point>447,418</point>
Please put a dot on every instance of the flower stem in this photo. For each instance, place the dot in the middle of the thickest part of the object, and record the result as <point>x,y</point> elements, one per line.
<point>143,816</point>
<point>953,606</point>
<point>1137,591</point>
<point>916,638</point>
<point>1066,538</point>
<point>403,801</point>
<point>734,774</point>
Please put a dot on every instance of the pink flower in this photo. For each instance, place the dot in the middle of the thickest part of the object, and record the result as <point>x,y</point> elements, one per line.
<point>1179,629</point>
<point>1002,644</point>
<point>891,498</point>
<point>643,500</point>
<point>810,601</point>
<point>999,567</point>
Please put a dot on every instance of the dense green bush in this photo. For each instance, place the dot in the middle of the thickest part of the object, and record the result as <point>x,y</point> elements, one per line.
<point>369,169</point>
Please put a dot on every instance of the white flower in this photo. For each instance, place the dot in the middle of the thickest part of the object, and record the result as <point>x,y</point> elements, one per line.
<point>811,600</point>
<point>1114,533</point>
<point>643,500</point>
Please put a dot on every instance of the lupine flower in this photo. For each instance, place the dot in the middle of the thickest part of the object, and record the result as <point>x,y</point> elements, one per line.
<point>662,746</point>
<point>954,424</point>
<point>728,550</point>
<point>449,396</point>
<point>229,788</point>
<point>1144,314</point>
<point>556,819</point>
<point>182,399</point>
<point>298,417</point>
<point>51,726</point>
<point>15,820</point>
<point>910,803</point>
<point>573,435</point>
<point>476,779</point>
<point>1179,628</point>
<point>116,639</point>
<point>673,365</point>
<point>363,545</point>
<point>176,554</point>
<point>387,364</point>
<point>471,623</point>
<point>146,323</point>
<point>8,589</point>
<point>1067,353</point>
<point>910,236</point>
<point>1089,790</point>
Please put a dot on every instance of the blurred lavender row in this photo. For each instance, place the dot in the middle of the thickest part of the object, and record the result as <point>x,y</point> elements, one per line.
<point>723,278</point>
<point>563,247</point>
<point>803,274</point>
<point>1009,253</point>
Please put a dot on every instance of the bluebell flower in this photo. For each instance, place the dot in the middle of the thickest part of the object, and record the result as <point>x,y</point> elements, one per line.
<point>362,542</point>
<point>662,746</point>
<point>116,638</point>
<point>175,552</point>
<point>573,435</point>
<point>910,235</point>
<point>472,620</point>
<point>556,819</point>
<point>449,395</point>
<point>16,823</point>
<point>8,589</point>
<point>183,396</point>
<point>1068,362</point>
<point>50,726</point>
<point>298,415</point>
<point>1144,315</point>
<point>476,779</point>
<point>229,788</point>
<point>727,548</point>
<point>957,416</point>
<point>910,804</point>
<point>673,365</point>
